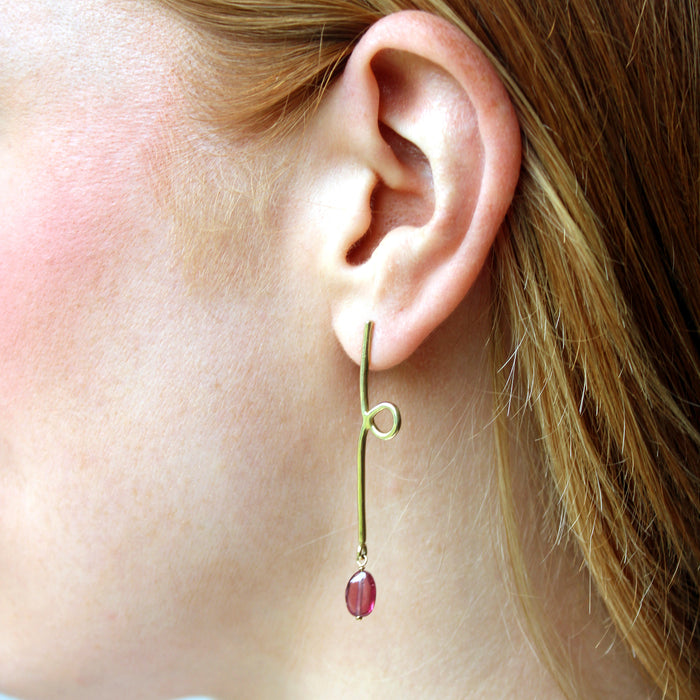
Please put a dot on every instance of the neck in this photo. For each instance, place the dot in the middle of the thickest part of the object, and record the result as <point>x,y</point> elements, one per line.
<point>446,622</point>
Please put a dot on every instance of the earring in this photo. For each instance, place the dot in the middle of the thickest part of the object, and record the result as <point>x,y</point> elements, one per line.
<point>361,591</point>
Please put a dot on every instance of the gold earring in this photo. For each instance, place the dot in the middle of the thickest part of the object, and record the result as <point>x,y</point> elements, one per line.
<point>361,591</point>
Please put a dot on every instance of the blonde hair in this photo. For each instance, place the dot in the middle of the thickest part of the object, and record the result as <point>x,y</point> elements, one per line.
<point>597,292</point>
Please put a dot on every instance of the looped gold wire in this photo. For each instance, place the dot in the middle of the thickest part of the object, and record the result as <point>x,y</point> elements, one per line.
<point>369,425</point>
<point>395,416</point>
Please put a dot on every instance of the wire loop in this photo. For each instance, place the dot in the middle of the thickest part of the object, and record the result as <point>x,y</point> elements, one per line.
<point>369,425</point>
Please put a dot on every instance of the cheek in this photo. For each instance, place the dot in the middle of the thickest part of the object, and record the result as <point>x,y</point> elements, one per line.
<point>66,223</point>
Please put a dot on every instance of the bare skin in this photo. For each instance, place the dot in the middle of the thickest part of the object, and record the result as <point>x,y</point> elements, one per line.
<point>177,433</point>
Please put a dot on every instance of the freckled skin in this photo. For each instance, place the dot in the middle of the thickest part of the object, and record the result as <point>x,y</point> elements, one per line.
<point>74,184</point>
<point>109,488</point>
<point>138,533</point>
<point>78,210</point>
<point>60,227</point>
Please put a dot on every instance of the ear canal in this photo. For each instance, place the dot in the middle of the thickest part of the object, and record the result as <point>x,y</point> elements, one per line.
<point>390,207</point>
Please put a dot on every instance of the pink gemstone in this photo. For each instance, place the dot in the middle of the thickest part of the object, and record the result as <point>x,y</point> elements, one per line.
<point>360,594</point>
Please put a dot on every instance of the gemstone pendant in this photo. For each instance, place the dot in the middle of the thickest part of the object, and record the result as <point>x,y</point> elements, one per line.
<point>361,594</point>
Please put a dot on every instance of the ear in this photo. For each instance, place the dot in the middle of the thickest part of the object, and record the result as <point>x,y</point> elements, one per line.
<point>426,157</point>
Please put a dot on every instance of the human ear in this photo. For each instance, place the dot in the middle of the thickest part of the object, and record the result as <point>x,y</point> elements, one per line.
<point>427,156</point>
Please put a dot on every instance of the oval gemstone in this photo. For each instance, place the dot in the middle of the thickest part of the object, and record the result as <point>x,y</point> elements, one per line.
<point>361,594</point>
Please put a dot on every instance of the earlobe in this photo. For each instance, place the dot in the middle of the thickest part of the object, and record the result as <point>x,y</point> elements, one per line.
<point>429,145</point>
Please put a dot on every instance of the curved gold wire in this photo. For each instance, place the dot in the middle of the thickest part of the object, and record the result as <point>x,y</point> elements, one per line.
<point>368,424</point>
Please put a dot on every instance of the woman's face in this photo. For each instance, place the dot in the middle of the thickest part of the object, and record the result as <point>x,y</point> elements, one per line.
<point>134,486</point>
